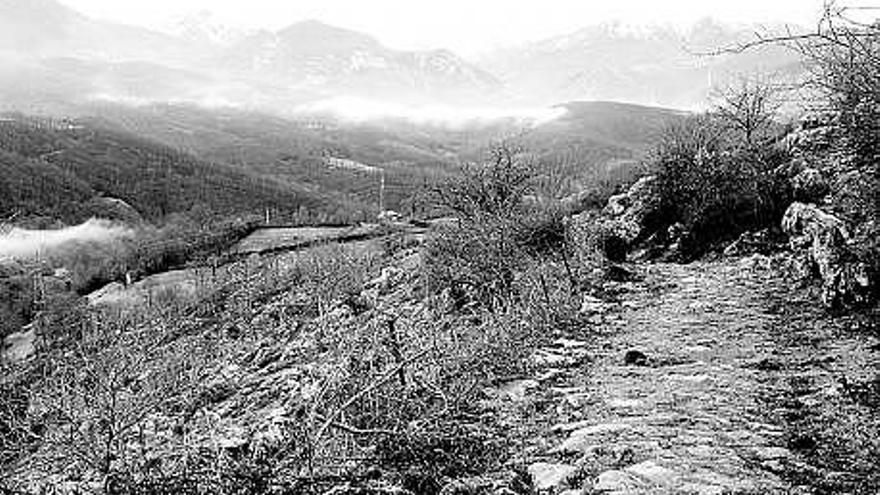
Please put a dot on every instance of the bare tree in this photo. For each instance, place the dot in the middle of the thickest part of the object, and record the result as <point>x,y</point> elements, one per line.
<point>842,59</point>
<point>749,106</point>
<point>494,188</point>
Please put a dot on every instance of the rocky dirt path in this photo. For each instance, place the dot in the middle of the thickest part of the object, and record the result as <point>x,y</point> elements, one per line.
<point>675,394</point>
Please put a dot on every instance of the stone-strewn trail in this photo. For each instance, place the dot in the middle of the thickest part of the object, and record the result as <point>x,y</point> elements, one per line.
<point>673,395</point>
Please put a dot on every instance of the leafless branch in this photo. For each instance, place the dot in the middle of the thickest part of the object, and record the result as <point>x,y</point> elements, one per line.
<point>376,384</point>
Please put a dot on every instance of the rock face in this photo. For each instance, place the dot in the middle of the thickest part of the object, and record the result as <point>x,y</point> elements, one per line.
<point>623,221</point>
<point>115,209</point>
<point>628,212</point>
<point>823,240</point>
<point>16,296</point>
<point>815,132</point>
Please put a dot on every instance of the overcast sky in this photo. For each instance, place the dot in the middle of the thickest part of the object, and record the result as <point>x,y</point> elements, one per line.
<point>466,26</point>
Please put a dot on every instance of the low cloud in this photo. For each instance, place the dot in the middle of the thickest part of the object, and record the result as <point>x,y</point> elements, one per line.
<point>26,244</point>
<point>363,110</point>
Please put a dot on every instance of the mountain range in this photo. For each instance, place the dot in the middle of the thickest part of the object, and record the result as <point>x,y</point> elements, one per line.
<point>658,66</point>
<point>52,55</point>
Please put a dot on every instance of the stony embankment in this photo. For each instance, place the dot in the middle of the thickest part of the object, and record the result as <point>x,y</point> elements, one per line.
<point>703,379</point>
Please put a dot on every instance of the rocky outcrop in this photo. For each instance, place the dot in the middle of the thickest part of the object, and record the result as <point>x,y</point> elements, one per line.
<point>623,222</point>
<point>814,133</point>
<point>630,211</point>
<point>823,241</point>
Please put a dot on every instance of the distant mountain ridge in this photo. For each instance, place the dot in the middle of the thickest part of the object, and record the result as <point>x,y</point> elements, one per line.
<point>203,27</point>
<point>306,61</point>
<point>657,66</point>
<point>279,71</point>
<point>332,60</point>
<point>45,28</point>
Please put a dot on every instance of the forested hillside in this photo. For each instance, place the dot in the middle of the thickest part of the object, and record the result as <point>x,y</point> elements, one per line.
<point>589,144</point>
<point>58,168</point>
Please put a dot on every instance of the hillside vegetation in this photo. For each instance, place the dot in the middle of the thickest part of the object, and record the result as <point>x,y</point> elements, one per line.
<point>588,146</point>
<point>61,169</point>
<point>382,369</point>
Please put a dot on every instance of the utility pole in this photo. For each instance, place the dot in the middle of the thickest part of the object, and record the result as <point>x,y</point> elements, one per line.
<point>382,192</point>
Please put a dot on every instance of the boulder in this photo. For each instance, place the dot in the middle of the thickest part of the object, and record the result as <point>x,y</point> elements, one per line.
<point>617,205</point>
<point>824,240</point>
<point>623,230</point>
<point>635,358</point>
<point>676,235</point>
<point>615,481</point>
<point>389,217</point>
<point>628,212</point>
<point>548,476</point>
<point>809,186</point>
<point>387,279</point>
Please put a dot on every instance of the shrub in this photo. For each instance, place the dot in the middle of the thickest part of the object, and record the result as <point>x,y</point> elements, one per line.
<point>496,233</point>
<point>495,189</point>
<point>93,395</point>
<point>406,380</point>
<point>439,452</point>
<point>16,432</point>
<point>714,186</point>
<point>474,261</point>
<point>16,303</point>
